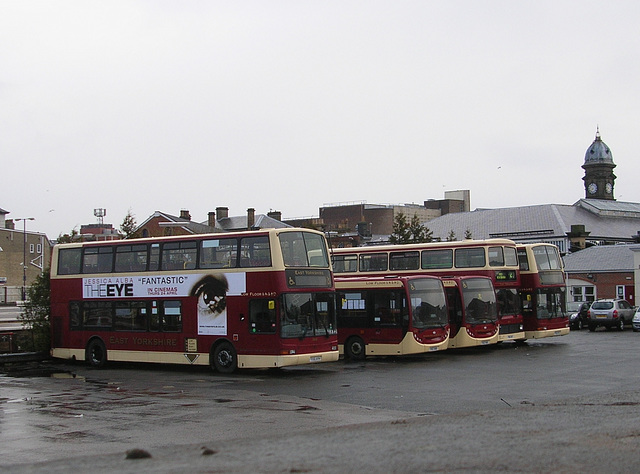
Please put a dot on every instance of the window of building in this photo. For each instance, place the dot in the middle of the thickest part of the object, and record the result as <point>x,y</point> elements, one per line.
<point>583,293</point>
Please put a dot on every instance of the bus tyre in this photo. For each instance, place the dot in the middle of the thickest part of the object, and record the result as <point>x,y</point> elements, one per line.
<point>225,359</point>
<point>592,327</point>
<point>96,354</point>
<point>355,349</point>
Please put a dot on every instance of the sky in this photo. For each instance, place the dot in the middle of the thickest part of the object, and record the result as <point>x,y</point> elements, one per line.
<point>138,106</point>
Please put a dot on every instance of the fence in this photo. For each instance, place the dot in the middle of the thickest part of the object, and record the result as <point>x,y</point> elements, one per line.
<point>10,294</point>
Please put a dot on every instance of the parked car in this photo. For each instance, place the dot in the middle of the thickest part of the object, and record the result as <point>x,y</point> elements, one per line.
<point>610,313</point>
<point>635,323</point>
<point>577,311</point>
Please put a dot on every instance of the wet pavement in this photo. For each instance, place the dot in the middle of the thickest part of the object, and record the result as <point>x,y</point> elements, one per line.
<point>564,405</point>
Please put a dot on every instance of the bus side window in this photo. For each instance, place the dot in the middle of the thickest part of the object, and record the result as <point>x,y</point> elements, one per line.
<point>218,253</point>
<point>154,317</point>
<point>69,261</point>
<point>97,314</point>
<point>179,255</point>
<point>496,257</point>
<point>255,252</point>
<point>385,311</point>
<point>154,257</point>
<point>262,316</point>
<point>352,309</point>
<point>130,316</point>
<point>172,316</point>
<point>97,260</point>
<point>75,320</point>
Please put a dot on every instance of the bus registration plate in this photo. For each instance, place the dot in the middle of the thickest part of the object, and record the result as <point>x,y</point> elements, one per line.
<point>315,358</point>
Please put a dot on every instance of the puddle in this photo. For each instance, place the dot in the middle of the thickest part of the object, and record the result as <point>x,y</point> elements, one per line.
<point>67,375</point>
<point>30,369</point>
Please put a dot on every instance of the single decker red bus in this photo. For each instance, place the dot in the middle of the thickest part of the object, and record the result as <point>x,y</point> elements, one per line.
<point>391,316</point>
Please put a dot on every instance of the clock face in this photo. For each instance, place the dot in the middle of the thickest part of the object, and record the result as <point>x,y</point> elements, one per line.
<point>593,187</point>
<point>608,188</point>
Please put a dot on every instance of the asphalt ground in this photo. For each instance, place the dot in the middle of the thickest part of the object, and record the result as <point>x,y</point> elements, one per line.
<point>569,404</point>
<point>572,436</point>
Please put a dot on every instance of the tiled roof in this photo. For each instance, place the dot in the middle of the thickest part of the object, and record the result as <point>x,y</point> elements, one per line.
<point>600,258</point>
<point>543,221</point>
<point>225,224</point>
<point>262,221</point>
<point>190,226</point>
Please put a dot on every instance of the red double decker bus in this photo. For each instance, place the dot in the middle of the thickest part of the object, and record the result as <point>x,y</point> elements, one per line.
<point>543,291</point>
<point>493,258</point>
<point>249,299</point>
<point>391,316</point>
<point>473,311</point>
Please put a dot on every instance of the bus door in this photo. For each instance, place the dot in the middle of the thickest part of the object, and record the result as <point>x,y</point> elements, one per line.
<point>389,316</point>
<point>262,325</point>
<point>455,310</point>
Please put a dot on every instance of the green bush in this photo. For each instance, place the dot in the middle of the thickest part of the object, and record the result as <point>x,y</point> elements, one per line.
<point>35,316</point>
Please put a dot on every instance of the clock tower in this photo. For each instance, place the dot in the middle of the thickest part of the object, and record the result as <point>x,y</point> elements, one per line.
<point>598,170</point>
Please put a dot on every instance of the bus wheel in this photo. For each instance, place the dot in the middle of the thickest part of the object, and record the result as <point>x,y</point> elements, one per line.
<point>355,349</point>
<point>224,358</point>
<point>96,353</point>
<point>592,327</point>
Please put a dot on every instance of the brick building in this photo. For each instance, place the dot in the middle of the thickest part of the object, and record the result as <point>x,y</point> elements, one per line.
<point>15,245</point>
<point>162,224</point>
<point>602,271</point>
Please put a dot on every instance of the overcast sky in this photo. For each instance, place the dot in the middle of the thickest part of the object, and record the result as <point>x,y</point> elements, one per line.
<point>291,105</point>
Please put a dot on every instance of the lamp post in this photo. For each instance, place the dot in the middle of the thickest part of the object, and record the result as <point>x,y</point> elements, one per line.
<point>24,254</point>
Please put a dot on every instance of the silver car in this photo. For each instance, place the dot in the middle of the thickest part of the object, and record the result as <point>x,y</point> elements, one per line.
<point>610,313</point>
<point>635,322</point>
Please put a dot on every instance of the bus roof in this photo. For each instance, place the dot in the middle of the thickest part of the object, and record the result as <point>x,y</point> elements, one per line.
<point>426,245</point>
<point>379,282</point>
<point>217,235</point>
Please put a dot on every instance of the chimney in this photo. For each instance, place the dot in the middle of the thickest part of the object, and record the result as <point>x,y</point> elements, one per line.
<point>211,219</point>
<point>223,212</point>
<point>277,215</point>
<point>251,217</point>
<point>10,224</point>
<point>184,214</point>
